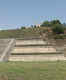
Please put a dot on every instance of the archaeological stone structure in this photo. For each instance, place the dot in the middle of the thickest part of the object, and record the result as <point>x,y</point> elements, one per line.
<point>34,49</point>
<point>6,46</point>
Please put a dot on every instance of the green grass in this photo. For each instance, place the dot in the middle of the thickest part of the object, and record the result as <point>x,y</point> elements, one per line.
<point>33,70</point>
<point>19,33</point>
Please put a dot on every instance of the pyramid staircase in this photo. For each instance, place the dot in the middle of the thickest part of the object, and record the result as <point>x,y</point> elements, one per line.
<point>34,50</point>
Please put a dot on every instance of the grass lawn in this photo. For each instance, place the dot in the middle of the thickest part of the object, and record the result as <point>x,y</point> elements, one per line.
<point>33,70</point>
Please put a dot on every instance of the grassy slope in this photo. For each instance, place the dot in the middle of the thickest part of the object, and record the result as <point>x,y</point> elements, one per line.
<point>19,33</point>
<point>28,32</point>
<point>33,70</point>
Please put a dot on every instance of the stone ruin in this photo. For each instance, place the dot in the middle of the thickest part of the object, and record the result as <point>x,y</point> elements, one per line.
<point>6,46</point>
<point>32,49</point>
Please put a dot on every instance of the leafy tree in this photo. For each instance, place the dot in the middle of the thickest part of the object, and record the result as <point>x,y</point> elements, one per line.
<point>50,23</point>
<point>58,29</point>
<point>53,22</point>
<point>46,23</point>
<point>23,27</point>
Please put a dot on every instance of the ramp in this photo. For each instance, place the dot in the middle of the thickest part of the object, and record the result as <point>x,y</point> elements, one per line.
<point>6,46</point>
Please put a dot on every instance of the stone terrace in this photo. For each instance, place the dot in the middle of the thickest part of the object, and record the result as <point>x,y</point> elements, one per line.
<point>34,50</point>
<point>5,47</point>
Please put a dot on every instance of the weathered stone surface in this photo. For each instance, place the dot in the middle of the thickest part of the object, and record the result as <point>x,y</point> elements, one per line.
<point>35,50</point>
<point>5,47</point>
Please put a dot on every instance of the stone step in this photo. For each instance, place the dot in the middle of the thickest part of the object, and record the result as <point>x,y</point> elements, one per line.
<point>36,57</point>
<point>29,50</point>
<point>29,42</point>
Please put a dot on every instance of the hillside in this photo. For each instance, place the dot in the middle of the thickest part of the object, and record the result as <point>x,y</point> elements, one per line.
<point>21,33</point>
<point>52,28</point>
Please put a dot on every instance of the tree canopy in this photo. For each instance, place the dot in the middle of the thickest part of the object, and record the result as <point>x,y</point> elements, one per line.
<point>58,29</point>
<point>45,23</point>
<point>50,23</point>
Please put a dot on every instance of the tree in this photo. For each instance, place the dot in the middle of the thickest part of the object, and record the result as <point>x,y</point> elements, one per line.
<point>58,29</point>
<point>50,23</point>
<point>53,22</point>
<point>23,27</point>
<point>46,23</point>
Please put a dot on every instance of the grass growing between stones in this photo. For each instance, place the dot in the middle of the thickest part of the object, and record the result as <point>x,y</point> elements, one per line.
<point>55,70</point>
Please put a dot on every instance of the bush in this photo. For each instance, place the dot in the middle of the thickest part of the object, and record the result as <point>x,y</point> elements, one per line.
<point>58,29</point>
<point>46,24</point>
<point>23,27</point>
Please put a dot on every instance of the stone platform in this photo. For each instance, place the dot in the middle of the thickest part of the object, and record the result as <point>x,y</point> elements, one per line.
<point>34,50</point>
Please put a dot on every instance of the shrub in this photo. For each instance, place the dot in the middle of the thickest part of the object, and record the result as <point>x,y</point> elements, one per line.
<point>58,29</point>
